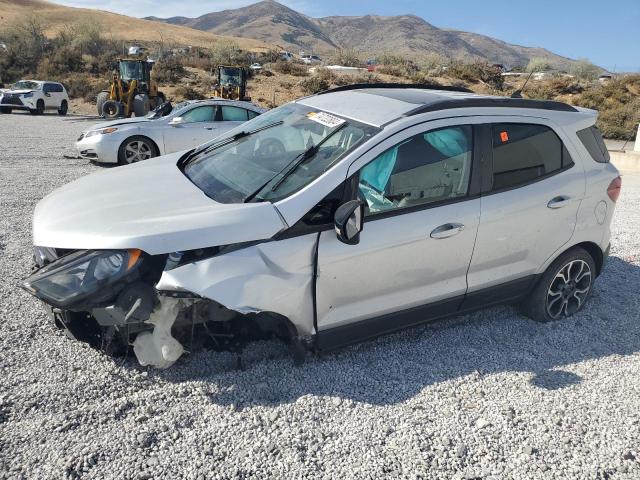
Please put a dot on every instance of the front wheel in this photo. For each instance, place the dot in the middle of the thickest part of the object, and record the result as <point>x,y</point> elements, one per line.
<point>136,149</point>
<point>39,110</point>
<point>64,108</point>
<point>564,287</point>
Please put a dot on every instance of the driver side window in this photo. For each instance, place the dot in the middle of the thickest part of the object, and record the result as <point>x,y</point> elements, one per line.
<point>430,167</point>
<point>200,114</point>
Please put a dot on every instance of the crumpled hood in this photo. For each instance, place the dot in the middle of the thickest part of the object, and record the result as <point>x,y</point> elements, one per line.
<point>151,206</point>
<point>115,123</point>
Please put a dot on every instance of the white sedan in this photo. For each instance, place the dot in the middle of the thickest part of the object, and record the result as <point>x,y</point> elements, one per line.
<point>165,130</point>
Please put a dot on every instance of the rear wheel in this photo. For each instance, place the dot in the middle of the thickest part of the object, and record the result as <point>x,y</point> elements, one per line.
<point>136,149</point>
<point>100,101</point>
<point>39,110</point>
<point>5,110</point>
<point>564,288</point>
<point>64,108</point>
<point>112,109</point>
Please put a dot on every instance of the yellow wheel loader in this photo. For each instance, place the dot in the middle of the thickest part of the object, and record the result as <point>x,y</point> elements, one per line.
<point>232,83</point>
<point>132,90</point>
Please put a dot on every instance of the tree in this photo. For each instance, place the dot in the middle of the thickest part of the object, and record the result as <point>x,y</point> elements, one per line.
<point>584,69</point>
<point>538,65</point>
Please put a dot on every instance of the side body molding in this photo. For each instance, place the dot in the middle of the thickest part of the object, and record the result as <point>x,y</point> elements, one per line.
<point>273,277</point>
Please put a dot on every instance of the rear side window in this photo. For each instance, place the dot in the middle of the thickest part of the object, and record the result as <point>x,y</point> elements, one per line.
<point>234,114</point>
<point>524,153</point>
<point>592,140</point>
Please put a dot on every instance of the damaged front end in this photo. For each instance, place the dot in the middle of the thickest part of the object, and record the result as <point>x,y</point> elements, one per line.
<point>109,299</point>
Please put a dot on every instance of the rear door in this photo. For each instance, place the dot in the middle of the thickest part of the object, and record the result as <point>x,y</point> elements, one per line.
<point>198,126</point>
<point>231,116</point>
<point>531,194</point>
<point>50,97</point>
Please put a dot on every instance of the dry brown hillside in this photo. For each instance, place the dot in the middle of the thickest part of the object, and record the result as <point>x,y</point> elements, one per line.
<point>54,17</point>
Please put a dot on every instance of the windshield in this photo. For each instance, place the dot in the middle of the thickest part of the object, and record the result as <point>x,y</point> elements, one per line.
<point>261,165</point>
<point>131,70</point>
<point>26,85</point>
<point>230,76</point>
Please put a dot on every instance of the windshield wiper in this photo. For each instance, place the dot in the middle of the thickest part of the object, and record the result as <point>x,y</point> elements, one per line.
<point>303,157</point>
<point>292,166</point>
<point>227,141</point>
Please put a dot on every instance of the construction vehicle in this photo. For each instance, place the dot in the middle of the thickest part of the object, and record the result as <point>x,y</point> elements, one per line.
<point>232,83</point>
<point>132,90</point>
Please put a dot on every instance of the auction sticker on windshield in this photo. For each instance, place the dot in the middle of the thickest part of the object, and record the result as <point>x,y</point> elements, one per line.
<point>325,119</point>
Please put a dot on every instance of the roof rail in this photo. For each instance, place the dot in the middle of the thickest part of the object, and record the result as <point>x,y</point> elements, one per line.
<point>423,86</point>
<point>488,102</point>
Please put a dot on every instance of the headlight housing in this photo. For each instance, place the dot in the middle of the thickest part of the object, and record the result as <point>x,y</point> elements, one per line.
<point>102,131</point>
<point>74,277</point>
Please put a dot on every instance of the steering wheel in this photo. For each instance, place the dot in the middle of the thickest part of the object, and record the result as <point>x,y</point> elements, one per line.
<point>270,147</point>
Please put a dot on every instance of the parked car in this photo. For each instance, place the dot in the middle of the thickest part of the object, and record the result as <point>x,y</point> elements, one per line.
<point>310,59</point>
<point>333,219</point>
<point>35,96</point>
<point>184,126</point>
<point>255,67</point>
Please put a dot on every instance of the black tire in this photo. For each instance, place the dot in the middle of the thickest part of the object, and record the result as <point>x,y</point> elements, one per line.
<point>145,147</point>
<point>5,110</point>
<point>141,105</point>
<point>564,287</point>
<point>39,110</point>
<point>100,100</point>
<point>64,108</point>
<point>112,109</point>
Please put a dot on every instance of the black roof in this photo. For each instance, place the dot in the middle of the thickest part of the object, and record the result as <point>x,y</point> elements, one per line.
<point>428,99</point>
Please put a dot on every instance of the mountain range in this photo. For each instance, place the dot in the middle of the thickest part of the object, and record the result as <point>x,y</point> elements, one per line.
<point>409,35</point>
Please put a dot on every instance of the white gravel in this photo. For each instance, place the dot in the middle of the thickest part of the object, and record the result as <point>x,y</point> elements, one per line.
<point>487,395</point>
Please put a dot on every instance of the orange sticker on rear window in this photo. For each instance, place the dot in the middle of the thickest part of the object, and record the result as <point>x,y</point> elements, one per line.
<point>504,136</point>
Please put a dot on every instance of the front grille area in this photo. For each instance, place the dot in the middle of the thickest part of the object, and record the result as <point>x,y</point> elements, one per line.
<point>12,99</point>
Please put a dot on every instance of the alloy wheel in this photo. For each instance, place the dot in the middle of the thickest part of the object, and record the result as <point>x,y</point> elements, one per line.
<point>569,289</point>
<point>136,151</point>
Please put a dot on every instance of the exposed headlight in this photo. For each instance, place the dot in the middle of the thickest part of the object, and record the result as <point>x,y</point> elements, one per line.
<point>78,275</point>
<point>44,255</point>
<point>102,131</point>
<point>27,95</point>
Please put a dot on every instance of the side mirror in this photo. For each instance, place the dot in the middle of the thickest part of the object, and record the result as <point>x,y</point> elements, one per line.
<point>176,121</point>
<point>349,221</point>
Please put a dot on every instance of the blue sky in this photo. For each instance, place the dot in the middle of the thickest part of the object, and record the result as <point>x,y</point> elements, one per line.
<point>605,32</point>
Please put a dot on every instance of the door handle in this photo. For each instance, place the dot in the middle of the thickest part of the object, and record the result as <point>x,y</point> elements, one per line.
<point>208,128</point>
<point>558,202</point>
<point>447,230</point>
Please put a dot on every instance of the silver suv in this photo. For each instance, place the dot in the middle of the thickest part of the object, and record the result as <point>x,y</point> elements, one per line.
<point>333,219</point>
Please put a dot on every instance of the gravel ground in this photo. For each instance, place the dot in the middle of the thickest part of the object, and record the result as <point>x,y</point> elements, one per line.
<point>487,395</point>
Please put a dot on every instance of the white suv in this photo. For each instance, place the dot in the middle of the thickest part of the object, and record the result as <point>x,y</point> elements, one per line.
<point>333,219</point>
<point>35,96</point>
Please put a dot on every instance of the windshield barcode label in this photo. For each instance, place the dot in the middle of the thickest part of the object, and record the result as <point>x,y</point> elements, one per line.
<point>325,119</point>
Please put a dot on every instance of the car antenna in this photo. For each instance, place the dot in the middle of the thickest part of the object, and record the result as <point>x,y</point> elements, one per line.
<point>518,93</point>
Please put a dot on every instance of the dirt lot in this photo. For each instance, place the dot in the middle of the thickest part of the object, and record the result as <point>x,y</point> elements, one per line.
<point>486,395</point>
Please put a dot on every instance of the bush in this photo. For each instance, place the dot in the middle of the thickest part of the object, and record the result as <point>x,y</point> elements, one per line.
<point>346,57</point>
<point>291,68</point>
<point>314,84</point>
<point>169,70</point>
<point>228,53</point>
<point>475,72</point>
<point>188,93</point>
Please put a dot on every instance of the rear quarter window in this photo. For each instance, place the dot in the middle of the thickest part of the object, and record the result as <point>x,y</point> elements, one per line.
<point>592,140</point>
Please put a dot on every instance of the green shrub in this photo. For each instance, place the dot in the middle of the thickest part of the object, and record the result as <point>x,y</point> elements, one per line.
<point>314,84</point>
<point>475,72</point>
<point>346,57</point>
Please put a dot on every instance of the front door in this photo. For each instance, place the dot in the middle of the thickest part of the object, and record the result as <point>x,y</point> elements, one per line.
<point>421,219</point>
<point>198,126</point>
